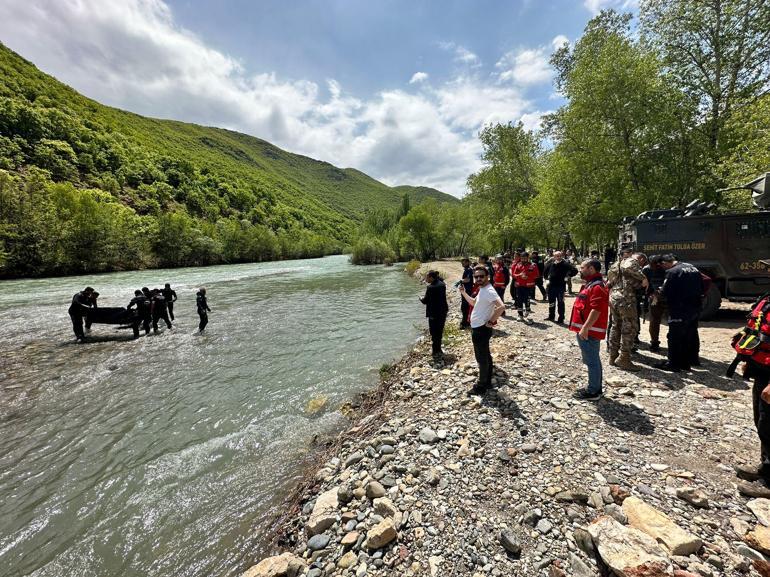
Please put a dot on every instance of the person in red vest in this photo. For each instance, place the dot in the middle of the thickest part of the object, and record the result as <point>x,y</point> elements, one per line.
<point>525,275</point>
<point>500,277</point>
<point>516,260</point>
<point>589,321</point>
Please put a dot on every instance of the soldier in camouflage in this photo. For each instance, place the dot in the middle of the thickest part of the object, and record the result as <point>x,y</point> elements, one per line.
<point>624,278</point>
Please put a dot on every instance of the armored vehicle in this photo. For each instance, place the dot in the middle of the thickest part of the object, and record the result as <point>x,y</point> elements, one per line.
<point>733,249</point>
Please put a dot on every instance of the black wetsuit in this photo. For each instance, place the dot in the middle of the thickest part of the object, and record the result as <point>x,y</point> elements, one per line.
<point>170,296</point>
<point>81,303</point>
<point>159,311</point>
<point>142,304</point>
<point>203,310</point>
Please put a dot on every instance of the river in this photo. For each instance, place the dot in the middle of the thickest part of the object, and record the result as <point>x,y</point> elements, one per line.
<point>166,455</point>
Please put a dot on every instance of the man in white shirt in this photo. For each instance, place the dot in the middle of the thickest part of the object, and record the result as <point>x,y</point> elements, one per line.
<point>487,308</point>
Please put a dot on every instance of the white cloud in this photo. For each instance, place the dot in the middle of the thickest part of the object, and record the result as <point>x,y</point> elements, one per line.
<point>461,54</point>
<point>529,66</point>
<point>418,77</point>
<point>132,54</point>
<point>596,6</point>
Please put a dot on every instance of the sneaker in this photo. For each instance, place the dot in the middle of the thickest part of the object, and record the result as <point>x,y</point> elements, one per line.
<point>526,313</point>
<point>749,472</point>
<point>654,347</point>
<point>475,391</point>
<point>584,395</point>
<point>757,489</point>
<point>667,367</point>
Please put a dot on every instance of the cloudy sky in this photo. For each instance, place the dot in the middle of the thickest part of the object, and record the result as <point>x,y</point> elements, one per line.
<point>396,88</point>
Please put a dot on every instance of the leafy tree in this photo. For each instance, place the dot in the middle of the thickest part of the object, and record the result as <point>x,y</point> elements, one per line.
<point>717,50</point>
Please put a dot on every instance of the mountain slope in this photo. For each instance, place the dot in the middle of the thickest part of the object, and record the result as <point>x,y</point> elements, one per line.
<point>229,196</point>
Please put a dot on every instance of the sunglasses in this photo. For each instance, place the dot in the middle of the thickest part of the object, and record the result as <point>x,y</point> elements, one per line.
<point>479,276</point>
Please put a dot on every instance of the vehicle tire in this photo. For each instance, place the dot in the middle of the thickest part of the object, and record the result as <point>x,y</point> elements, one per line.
<point>711,303</point>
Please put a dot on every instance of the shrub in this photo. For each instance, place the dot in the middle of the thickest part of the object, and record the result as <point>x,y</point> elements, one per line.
<point>369,250</point>
<point>412,267</point>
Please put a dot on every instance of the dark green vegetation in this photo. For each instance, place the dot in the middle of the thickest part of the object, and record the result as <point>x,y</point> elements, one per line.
<point>654,118</point>
<point>651,120</point>
<point>88,188</point>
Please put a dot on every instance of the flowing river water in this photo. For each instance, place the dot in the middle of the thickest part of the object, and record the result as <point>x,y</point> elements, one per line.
<point>167,455</point>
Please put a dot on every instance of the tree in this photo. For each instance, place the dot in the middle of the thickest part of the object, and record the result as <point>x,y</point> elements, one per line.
<point>420,236</point>
<point>622,142</point>
<point>717,50</point>
<point>511,158</point>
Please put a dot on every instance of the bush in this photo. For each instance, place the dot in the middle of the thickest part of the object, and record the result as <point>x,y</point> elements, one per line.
<point>369,250</point>
<point>412,267</point>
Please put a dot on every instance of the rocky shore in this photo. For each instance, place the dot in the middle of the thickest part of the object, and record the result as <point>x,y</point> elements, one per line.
<point>528,481</point>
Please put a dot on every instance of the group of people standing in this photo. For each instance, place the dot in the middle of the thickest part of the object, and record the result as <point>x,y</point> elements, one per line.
<point>603,306</point>
<point>146,308</point>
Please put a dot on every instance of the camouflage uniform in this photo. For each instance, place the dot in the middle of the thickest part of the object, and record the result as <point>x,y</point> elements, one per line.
<point>624,278</point>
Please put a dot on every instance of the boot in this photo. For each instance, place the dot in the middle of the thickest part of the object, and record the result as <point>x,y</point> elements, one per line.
<point>624,363</point>
<point>613,357</point>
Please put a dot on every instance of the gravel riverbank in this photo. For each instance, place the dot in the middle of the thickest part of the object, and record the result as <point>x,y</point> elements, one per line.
<point>528,481</point>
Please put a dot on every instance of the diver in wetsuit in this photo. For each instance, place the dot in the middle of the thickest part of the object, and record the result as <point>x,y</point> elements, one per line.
<point>81,304</point>
<point>159,309</point>
<point>142,304</point>
<point>94,296</point>
<point>170,295</point>
<point>203,309</point>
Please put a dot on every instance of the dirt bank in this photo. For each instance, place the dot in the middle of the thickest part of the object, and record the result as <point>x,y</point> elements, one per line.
<point>528,481</point>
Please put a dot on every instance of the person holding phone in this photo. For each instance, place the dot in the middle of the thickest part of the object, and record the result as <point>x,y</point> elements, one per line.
<point>487,308</point>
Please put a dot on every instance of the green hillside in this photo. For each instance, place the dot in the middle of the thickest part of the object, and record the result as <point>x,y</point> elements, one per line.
<point>85,187</point>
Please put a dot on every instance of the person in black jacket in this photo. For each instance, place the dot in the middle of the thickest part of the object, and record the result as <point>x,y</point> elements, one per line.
<point>81,304</point>
<point>683,289</point>
<point>170,295</point>
<point>142,304</point>
<point>203,308</point>
<point>436,310</point>
<point>467,282</point>
<point>557,271</point>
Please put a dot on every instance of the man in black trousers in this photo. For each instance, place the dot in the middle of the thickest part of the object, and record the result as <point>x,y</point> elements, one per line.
<point>682,287</point>
<point>436,310</point>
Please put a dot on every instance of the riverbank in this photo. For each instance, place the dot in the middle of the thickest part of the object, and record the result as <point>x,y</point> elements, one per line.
<point>528,481</point>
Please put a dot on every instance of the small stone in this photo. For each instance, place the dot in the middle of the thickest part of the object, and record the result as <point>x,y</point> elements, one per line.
<point>285,565</point>
<point>349,539</point>
<point>427,436</point>
<point>317,542</point>
<point>353,459</point>
<point>578,568</point>
<point>759,539</point>
<point>693,496</point>
<point>375,490</point>
<point>761,510</point>
<point>544,526</point>
<point>529,448</point>
<point>659,526</point>
<point>381,534</point>
<point>510,543</point>
<point>387,450</point>
<point>347,560</point>
<point>324,513</point>
<point>659,467</point>
<point>385,507</point>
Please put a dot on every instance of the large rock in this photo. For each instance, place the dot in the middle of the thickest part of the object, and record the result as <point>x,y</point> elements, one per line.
<point>761,510</point>
<point>759,539</point>
<point>324,513</point>
<point>285,565</point>
<point>660,527</point>
<point>385,507</point>
<point>381,534</point>
<point>628,551</point>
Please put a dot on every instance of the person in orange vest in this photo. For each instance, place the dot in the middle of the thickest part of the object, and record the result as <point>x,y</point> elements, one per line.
<point>500,277</point>
<point>516,260</point>
<point>524,275</point>
<point>589,320</point>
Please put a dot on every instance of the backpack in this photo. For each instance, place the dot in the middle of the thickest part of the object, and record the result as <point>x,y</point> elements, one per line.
<point>752,342</point>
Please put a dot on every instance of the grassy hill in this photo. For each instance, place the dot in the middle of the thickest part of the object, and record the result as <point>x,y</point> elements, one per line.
<point>85,187</point>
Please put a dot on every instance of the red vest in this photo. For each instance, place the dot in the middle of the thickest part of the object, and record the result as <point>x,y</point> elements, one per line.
<point>593,296</point>
<point>531,272</point>
<point>753,341</point>
<point>499,279</point>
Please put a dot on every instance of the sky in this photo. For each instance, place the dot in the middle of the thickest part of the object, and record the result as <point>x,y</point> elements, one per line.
<point>396,88</point>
